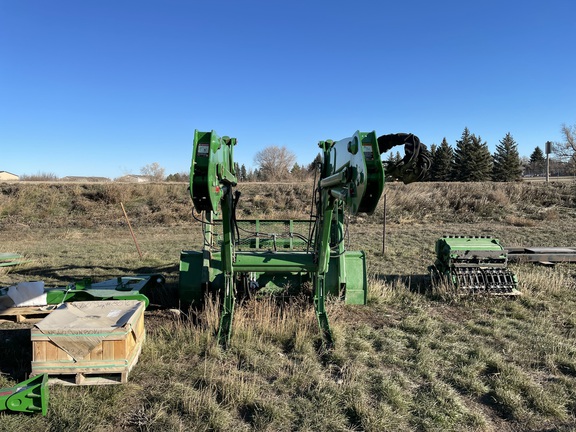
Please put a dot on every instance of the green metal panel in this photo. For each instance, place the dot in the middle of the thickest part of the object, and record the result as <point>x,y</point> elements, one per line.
<point>190,280</point>
<point>274,262</point>
<point>353,171</point>
<point>356,280</point>
<point>30,396</point>
<point>274,272</point>
<point>211,169</point>
<point>469,243</point>
<point>120,288</point>
<point>191,284</point>
<point>350,283</point>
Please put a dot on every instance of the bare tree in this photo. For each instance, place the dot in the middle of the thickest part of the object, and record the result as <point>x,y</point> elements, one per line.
<point>275,163</point>
<point>39,176</point>
<point>566,150</point>
<point>153,170</point>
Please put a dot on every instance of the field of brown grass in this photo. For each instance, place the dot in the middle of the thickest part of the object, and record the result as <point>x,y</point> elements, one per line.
<point>416,358</point>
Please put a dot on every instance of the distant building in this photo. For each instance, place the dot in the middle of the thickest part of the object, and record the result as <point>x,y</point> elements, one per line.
<point>6,176</point>
<point>133,178</point>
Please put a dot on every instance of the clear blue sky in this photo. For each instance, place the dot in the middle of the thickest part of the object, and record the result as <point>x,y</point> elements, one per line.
<point>104,87</point>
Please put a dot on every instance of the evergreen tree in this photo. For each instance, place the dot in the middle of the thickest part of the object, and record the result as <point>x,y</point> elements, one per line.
<point>472,159</point>
<point>460,170</point>
<point>178,177</point>
<point>537,161</point>
<point>442,156</point>
<point>298,172</point>
<point>313,166</point>
<point>481,162</point>
<point>507,166</point>
<point>393,158</point>
<point>391,161</point>
<point>433,148</point>
<point>537,155</point>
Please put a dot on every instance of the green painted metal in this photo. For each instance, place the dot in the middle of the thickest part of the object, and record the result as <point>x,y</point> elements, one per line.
<point>191,284</point>
<point>351,181</point>
<point>8,259</point>
<point>474,265</point>
<point>460,250</point>
<point>349,268</point>
<point>275,272</point>
<point>211,170</point>
<point>353,171</point>
<point>30,396</point>
<point>120,288</point>
<point>225,329</point>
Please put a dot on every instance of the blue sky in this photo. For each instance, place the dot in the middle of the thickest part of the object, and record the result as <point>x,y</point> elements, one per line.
<point>105,87</point>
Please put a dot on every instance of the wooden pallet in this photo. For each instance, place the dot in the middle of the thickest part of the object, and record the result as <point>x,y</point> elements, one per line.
<point>93,375</point>
<point>30,314</point>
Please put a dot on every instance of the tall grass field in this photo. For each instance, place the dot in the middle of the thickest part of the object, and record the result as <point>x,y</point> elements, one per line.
<point>418,357</point>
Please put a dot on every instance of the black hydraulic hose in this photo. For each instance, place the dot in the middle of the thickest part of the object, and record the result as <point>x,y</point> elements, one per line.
<point>234,220</point>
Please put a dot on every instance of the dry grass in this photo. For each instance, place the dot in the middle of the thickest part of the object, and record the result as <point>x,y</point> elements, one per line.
<point>418,357</point>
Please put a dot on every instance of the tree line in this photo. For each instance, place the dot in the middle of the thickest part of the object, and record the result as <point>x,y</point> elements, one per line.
<point>469,160</point>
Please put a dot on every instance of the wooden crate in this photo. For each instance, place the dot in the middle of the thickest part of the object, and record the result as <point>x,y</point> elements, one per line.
<point>83,343</point>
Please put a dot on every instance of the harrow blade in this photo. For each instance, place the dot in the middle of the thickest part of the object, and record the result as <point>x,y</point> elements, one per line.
<point>476,280</point>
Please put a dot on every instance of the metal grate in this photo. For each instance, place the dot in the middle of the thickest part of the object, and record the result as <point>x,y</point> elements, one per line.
<point>488,280</point>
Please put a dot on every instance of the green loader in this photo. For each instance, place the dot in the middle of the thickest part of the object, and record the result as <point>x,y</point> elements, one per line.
<point>245,257</point>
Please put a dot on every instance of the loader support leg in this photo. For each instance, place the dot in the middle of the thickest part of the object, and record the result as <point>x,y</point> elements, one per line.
<point>225,330</point>
<point>320,307</point>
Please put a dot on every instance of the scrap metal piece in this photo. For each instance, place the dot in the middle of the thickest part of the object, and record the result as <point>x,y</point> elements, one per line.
<point>543,255</point>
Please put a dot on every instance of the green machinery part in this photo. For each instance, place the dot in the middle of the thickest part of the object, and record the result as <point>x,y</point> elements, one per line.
<point>30,396</point>
<point>120,288</point>
<point>294,253</point>
<point>474,265</point>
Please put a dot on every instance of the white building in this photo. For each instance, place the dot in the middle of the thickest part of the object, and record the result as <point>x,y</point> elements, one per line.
<point>6,176</point>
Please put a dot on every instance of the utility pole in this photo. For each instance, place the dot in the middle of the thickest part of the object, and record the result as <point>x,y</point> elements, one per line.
<point>548,151</point>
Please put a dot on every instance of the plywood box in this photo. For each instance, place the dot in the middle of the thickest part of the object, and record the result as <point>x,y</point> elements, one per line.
<point>93,342</point>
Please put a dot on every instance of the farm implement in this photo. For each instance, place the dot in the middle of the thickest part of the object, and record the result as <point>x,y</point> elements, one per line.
<point>281,256</point>
<point>474,265</point>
